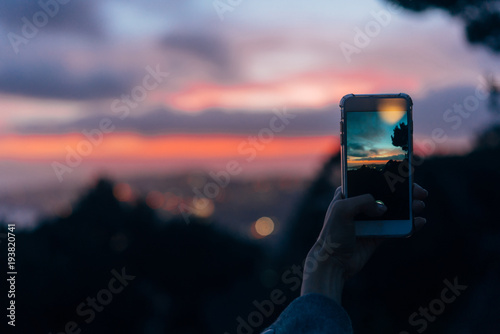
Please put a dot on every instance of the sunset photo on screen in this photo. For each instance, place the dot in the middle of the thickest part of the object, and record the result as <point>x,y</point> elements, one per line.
<point>377,152</point>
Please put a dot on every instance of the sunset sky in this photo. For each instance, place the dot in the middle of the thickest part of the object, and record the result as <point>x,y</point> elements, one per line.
<point>369,137</point>
<point>147,86</point>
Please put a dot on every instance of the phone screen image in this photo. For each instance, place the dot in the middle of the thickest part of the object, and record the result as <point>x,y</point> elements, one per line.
<point>378,155</point>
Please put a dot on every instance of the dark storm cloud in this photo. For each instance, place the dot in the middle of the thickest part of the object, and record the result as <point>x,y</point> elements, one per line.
<point>204,46</point>
<point>355,146</point>
<point>76,16</point>
<point>51,80</point>
<point>364,129</point>
<point>356,150</point>
<point>162,121</point>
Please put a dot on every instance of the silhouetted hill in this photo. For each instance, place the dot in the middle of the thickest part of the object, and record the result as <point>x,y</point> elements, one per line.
<point>177,268</point>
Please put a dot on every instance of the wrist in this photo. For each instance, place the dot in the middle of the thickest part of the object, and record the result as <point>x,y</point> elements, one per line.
<point>323,274</point>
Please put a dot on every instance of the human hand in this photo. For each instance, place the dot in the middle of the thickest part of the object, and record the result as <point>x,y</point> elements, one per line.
<point>338,254</point>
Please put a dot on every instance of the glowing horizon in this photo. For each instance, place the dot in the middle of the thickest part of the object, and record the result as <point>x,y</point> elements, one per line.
<point>134,146</point>
<point>381,161</point>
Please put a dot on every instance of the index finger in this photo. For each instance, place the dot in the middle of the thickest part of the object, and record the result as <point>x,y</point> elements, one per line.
<point>419,192</point>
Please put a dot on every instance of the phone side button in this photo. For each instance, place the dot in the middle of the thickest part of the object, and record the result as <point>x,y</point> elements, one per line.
<point>341,133</point>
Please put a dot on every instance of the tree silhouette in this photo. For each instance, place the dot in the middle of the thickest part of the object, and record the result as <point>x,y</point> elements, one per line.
<point>481,18</point>
<point>493,87</point>
<point>400,137</point>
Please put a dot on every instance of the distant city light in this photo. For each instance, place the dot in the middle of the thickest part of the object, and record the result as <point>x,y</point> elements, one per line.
<point>155,200</point>
<point>171,202</point>
<point>123,192</point>
<point>263,227</point>
<point>203,207</point>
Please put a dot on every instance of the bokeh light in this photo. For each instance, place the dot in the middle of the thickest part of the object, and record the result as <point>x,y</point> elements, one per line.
<point>171,202</point>
<point>203,207</point>
<point>155,199</point>
<point>123,192</point>
<point>262,228</point>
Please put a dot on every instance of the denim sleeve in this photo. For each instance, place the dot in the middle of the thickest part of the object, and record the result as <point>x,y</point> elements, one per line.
<point>312,314</point>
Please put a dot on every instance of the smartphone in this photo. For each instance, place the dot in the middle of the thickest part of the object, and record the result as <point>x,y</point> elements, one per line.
<point>376,137</point>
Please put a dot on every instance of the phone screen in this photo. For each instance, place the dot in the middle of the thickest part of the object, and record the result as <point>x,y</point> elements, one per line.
<point>378,158</point>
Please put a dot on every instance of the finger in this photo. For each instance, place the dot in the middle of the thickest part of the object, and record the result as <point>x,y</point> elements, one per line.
<point>336,197</point>
<point>338,193</point>
<point>419,192</point>
<point>418,205</point>
<point>419,222</point>
<point>351,207</point>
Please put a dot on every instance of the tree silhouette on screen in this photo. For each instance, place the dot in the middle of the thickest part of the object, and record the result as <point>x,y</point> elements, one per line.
<point>400,137</point>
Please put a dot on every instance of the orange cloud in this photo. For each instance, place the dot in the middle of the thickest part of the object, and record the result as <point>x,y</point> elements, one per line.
<point>307,90</point>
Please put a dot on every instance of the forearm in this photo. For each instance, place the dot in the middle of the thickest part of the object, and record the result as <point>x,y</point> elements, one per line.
<point>312,314</point>
<point>323,276</point>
